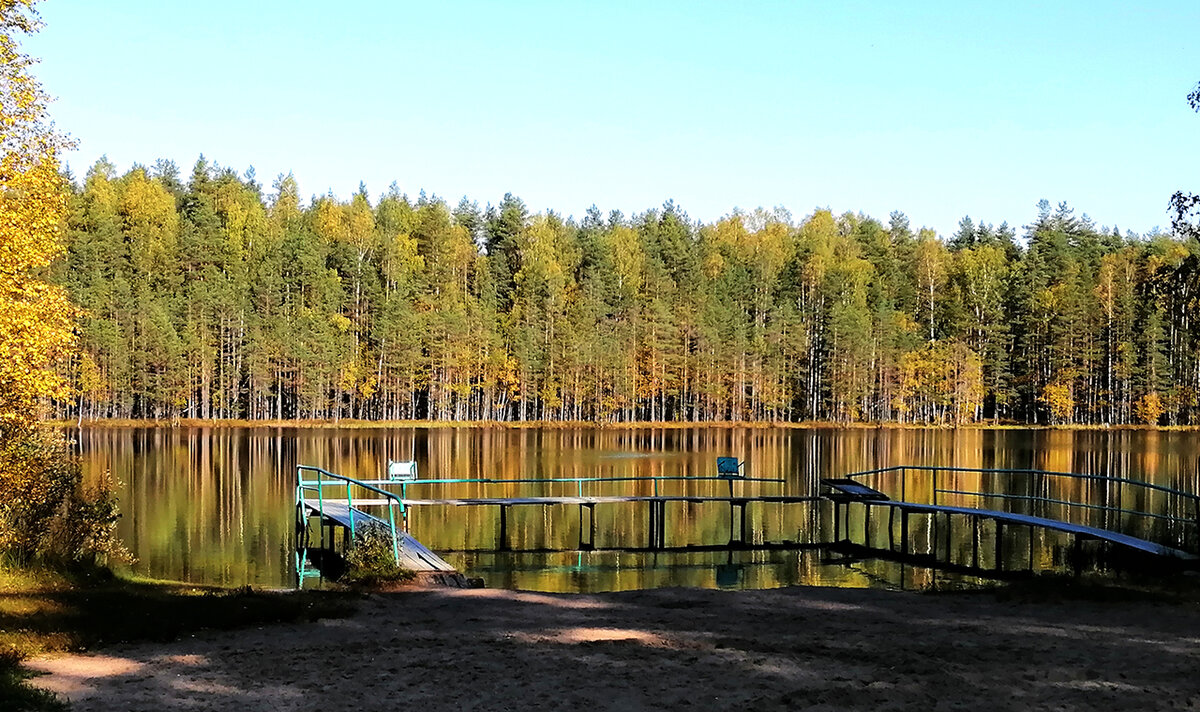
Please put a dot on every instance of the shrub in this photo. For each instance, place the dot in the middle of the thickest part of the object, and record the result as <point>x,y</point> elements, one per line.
<point>371,561</point>
<point>47,515</point>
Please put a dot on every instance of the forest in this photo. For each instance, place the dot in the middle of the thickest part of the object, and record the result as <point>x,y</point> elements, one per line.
<point>211,297</point>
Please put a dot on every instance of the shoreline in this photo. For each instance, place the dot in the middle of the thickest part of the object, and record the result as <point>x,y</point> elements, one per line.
<point>348,424</point>
<point>672,649</point>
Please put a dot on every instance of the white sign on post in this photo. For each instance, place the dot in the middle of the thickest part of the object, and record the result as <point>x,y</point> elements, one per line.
<point>402,471</point>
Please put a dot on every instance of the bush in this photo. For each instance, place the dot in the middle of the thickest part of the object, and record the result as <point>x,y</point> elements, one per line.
<point>371,561</point>
<point>47,515</point>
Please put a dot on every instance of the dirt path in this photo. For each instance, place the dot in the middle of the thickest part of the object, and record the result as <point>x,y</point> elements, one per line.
<point>787,649</point>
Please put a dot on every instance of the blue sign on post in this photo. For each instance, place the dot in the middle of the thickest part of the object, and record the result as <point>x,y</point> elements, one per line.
<point>729,467</point>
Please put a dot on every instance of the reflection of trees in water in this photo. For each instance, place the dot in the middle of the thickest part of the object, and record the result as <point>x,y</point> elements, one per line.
<point>215,504</point>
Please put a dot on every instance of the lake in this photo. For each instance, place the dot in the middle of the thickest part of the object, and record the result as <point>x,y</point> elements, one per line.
<point>214,505</point>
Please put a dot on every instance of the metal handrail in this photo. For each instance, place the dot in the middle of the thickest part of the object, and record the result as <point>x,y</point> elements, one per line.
<point>578,481</point>
<point>1069,503</point>
<point>1023,471</point>
<point>319,485</point>
<point>527,480</point>
<point>1194,520</point>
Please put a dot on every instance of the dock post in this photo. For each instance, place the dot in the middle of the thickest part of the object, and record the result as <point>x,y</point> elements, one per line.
<point>591,540</point>
<point>592,526</point>
<point>837,522</point>
<point>904,532</point>
<point>866,525</point>
<point>1031,561</point>
<point>503,543</point>
<point>949,537</point>
<point>663,524</point>
<point>891,528</point>
<point>975,542</point>
<point>999,546</point>
<point>650,525</point>
<point>744,538</point>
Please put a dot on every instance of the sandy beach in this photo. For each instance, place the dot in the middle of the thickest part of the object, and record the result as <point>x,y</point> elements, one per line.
<point>799,648</point>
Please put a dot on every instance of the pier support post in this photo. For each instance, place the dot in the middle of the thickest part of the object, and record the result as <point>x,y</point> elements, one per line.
<point>590,543</point>
<point>662,524</point>
<point>745,525</point>
<point>949,538</point>
<point>502,544</point>
<point>975,542</point>
<point>652,526</point>
<point>657,538</point>
<point>999,546</point>
<point>904,532</point>
<point>738,535</point>
<point>866,525</point>
<point>891,528</point>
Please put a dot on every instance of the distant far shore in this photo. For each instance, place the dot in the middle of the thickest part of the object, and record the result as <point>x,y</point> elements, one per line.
<point>572,424</point>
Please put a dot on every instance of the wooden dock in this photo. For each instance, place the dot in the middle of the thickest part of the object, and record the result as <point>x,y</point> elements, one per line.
<point>845,491</point>
<point>414,555</point>
<point>656,538</point>
<point>330,497</point>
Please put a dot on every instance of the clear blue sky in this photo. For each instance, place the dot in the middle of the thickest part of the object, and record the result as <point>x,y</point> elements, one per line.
<point>939,109</point>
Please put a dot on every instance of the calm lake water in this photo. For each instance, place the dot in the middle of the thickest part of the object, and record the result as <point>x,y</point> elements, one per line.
<point>214,505</point>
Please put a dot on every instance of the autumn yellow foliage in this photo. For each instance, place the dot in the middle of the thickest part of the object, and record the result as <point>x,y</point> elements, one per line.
<point>37,326</point>
<point>1149,408</point>
<point>45,511</point>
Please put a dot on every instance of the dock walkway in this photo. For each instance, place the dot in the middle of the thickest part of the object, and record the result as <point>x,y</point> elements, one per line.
<point>413,555</point>
<point>847,490</point>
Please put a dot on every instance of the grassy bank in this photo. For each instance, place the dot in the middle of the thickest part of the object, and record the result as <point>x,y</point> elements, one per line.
<point>43,612</point>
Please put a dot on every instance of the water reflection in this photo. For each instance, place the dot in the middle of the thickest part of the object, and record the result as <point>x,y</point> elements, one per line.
<point>214,505</point>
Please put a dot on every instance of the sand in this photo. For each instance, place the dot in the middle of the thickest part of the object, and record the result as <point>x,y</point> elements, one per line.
<point>799,648</point>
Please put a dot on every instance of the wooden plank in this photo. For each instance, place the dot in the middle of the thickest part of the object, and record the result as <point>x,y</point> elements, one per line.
<point>854,489</point>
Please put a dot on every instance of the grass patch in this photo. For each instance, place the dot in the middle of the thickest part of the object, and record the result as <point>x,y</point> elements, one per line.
<point>17,696</point>
<point>43,611</point>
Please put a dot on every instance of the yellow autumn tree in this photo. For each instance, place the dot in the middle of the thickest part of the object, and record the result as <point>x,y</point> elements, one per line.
<point>37,329</point>
<point>44,509</point>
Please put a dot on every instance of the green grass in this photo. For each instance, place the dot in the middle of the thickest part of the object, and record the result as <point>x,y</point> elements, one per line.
<point>44,611</point>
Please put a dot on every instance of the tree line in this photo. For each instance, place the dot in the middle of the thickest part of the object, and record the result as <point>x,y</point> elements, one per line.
<point>211,297</point>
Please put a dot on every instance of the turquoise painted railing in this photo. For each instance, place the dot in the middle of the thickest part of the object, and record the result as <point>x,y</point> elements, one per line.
<point>1178,501</point>
<point>325,478</point>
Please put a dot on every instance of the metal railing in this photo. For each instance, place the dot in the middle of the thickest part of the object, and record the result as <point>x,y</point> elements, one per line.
<point>318,486</point>
<point>398,503</point>
<point>1038,492</point>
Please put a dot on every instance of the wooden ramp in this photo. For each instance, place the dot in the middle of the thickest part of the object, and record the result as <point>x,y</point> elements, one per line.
<point>845,491</point>
<point>1078,530</point>
<point>414,555</point>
